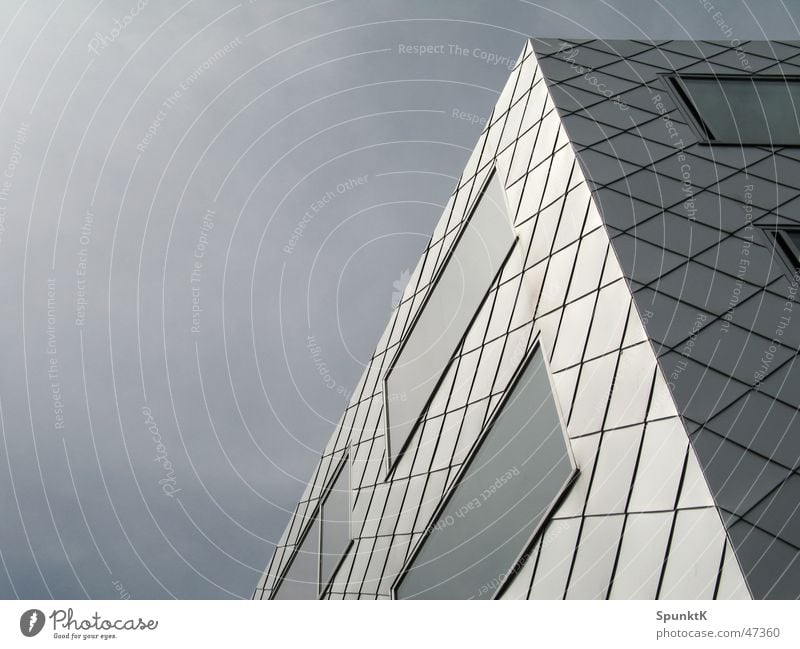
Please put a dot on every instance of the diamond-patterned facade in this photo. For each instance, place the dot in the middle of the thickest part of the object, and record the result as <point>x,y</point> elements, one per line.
<point>644,271</point>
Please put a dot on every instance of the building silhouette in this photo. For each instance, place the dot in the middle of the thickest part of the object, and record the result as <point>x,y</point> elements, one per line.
<point>588,388</point>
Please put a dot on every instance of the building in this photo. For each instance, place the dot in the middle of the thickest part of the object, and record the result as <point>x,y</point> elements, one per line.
<point>589,388</point>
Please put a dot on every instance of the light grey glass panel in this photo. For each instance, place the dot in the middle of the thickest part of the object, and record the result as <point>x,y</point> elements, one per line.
<point>514,477</point>
<point>444,318</point>
<point>335,536</point>
<point>301,580</point>
<point>750,111</point>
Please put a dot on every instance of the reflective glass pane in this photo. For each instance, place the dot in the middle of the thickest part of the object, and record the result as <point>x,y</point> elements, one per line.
<point>301,580</point>
<point>444,318</point>
<point>335,536</point>
<point>794,237</point>
<point>789,241</point>
<point>746,110</point>
<point>520,468</point>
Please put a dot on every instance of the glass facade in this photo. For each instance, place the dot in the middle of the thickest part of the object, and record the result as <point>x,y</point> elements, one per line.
<point>324,544</point>
<point>788,242</point>
<point>301,580</point>
<point>746,110</point>
<point>335,525</point>
<point>636,268</point>
<point>443,319</point>
<point>520,468</point>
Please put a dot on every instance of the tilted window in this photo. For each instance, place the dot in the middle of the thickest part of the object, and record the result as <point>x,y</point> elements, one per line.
<point>301,578</point>
<point>514,477</point>
<point>787,243</point>
<point>335,529</point>
<point>445,316</point>
<point>326,541</point>
<point>738,109</point>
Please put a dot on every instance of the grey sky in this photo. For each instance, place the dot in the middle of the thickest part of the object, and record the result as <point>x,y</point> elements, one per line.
<point>305,156</point>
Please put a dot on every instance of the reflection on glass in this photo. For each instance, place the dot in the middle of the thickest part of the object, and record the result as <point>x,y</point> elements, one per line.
<point>335,536</point>
<point>788,242</point>
<point>322,548</point>
<point>444,318</point>
<point>791,241</point>
<point>302,578</point>
<point>519,470</point>
<point>794,237</point>
<point>744,109</point>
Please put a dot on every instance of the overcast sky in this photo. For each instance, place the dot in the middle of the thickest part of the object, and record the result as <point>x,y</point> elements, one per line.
<point>206,211</point>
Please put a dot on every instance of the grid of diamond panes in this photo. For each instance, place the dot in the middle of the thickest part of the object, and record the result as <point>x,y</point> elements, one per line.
<point>475,258</point>
<point>517,472</point>
<point>690,225</point>
<point>641,483</point>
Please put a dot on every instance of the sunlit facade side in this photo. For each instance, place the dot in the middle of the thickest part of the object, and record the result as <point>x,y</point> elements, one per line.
<point>588,389</point>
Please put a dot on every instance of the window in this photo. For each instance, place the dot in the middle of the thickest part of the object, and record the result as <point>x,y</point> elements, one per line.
<point>742,109</point>
<point>300,580</point>
<point>514,477</point>
<point>335,529</point>
<point>445,316</point>
<point>325,543</point>
<point>787,243</point>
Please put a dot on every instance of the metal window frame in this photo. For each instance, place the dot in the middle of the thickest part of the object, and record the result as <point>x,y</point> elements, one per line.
<point>519,562</point>
<point>672,83</point>
<point>344,465</point>
<point>788,251</point>
<point>392,460</point>
<point>316,514</point>
<point>276,586</point>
